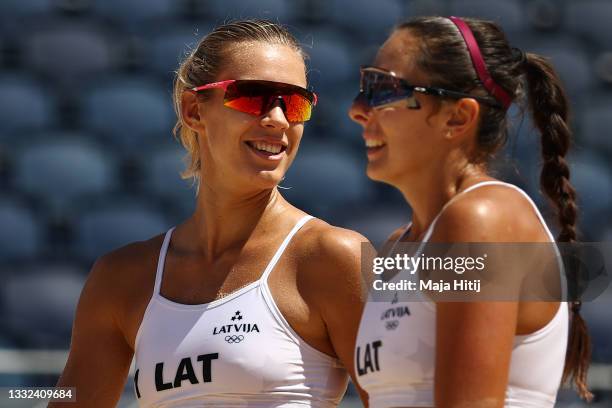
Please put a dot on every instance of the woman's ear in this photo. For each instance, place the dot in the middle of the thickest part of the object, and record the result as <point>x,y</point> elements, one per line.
<point>463,117</point>
<point>190,111</point>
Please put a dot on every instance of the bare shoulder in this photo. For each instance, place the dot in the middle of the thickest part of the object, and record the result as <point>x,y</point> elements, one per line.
<point>104,324</point>
<point>127,264</point>
<point>119,279</point>
<point>491,213</point>
<point>330,258</point>
<point>331,244</point>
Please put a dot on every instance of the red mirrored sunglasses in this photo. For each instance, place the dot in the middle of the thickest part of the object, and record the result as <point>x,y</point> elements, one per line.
<point>258,97</point>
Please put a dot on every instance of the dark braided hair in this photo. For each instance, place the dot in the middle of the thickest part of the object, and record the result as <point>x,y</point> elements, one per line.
<point>550,111</point>
<point>441,46</point>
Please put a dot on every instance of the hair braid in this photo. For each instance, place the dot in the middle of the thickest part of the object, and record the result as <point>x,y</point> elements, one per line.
<point>550,110</point>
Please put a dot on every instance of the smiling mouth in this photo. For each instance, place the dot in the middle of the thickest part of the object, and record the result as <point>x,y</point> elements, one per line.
<point>269,149</point>
<point>374,145</point>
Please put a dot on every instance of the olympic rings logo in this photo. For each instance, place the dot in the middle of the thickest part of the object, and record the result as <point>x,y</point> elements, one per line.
<point>392,324</point>
<point>234,339</point>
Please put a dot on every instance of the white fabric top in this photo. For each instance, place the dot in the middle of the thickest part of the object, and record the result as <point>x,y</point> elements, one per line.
<point>395,363</point>
<point>237,351</point>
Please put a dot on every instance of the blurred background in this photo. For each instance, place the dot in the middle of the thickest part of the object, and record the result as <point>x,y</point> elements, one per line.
<point>88,162</point>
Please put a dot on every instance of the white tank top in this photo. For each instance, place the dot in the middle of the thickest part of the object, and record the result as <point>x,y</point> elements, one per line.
<point>395,363</point>
<point>236,351</point>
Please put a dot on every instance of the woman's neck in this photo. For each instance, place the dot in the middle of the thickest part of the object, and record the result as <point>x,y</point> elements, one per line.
<point>224,221</point>
<point>428,193</point>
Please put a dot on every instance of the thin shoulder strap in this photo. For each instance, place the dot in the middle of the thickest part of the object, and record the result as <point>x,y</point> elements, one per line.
<point>399,239</point>
<point>489,183</point>
<point>161,261</point>
<point>430,230</point>
<point>474,187</point>
<point>281,248</point>
<point>551,237</point>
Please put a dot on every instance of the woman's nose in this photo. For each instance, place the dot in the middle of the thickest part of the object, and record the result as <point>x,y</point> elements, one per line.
<point>359,111</point>
<point>276,117</point>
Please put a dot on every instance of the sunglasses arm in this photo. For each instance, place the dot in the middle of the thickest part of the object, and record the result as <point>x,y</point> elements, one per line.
<point>221,84</point>
<point>454,95</point>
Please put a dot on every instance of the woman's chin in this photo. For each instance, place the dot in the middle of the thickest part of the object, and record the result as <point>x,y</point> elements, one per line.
<point>376,172</point>
<point>266,179</point>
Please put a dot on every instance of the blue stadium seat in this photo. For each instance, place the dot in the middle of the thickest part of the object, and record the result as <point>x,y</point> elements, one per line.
<point>603,67</point>
<point>519,161</point>
<point>373,20</point>
<point>592,178</point>
<point>21,236</point>
<point>10,378</point>
<point>331,62</point>
<point>129,111</point>
<point>60,167</point>
<point>17,93</point>
<point>588,173</point>
<point>508,13</point>
<point>10,10</point>
<point>597,316</point>
<point>132,15</point>
<point>595,123</point>
<point>568,398</point>
<point>110,226</point>
<point>162,169</point>
<point>591,20</point>
<point>40,303</point>
<point>545,14</point>
<point>426,8</point>
<point>571,63</point>
<point>330,117</point>
<point>324,178</point>
<point>606,235</point>
<point>67,50</point>
<point>378,222</point>
<point>274,10</point>
<point>170,46</point>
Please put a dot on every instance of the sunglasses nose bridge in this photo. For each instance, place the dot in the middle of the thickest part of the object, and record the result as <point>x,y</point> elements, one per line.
<point>273,102</point>
<point>281,101</point>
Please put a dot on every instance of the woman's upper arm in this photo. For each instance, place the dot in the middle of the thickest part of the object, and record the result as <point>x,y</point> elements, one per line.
<point>342,289</point>
<point>474,339</point>
<point>473,348</point>
<point>100,357</point>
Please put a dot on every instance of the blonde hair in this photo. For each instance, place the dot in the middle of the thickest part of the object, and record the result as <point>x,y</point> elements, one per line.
<point>203,65</point>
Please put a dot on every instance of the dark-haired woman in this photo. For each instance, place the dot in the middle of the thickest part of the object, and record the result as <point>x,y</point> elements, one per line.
<point>433,108</point>
<point>249,302</point>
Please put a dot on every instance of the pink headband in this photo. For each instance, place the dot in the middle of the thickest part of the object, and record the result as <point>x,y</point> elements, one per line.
<point>479,63</point>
